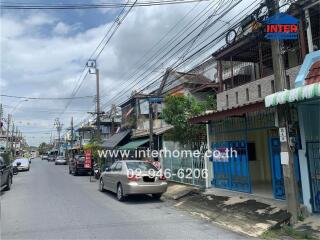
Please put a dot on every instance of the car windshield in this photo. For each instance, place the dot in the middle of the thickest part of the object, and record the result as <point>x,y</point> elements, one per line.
<point>143,166</point>
<point>60,158</point>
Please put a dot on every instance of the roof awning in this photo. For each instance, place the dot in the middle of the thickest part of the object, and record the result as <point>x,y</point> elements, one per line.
<point>115,139</point>
<point>133,145</point>
<point>236,111</point>
<point>294,95</point>
<point>156,131</point>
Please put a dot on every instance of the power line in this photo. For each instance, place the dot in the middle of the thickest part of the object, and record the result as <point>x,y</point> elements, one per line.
<point>164,56</point>
<point>202,49</point>
<point>39,6</point>
<point>116,24</point>
<point>176,36</point>
<point>44,98</point>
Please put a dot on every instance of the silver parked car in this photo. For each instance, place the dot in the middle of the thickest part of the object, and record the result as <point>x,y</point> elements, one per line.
<point>128,177</point>
<point>60,160</point>
<point>22,164</point>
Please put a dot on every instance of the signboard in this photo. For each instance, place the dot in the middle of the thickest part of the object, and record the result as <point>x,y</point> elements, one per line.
<point>283,134</point>
<point>282,27</point>
<point>155,100</point>
<point>87,158</point>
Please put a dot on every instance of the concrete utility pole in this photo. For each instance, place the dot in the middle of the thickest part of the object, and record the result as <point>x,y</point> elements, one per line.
<point>1,116</point>
<point>98,103</point>
<point>12,140</point>
<point>58,126</point>
<point>92,65</point>
<point>151,126</point>
<point>8,129</point>
<point>71,132</point>
<point>284,121</point>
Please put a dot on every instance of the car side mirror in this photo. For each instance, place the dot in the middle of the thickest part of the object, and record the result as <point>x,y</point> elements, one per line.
<point>18,163</point>
<point>108,169</point>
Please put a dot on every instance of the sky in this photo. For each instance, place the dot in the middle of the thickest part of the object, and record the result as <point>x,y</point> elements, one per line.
<point>43,53</point>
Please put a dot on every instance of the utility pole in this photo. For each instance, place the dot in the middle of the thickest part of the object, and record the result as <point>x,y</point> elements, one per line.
<point>12,140</point>
<point>71,132</point>
<point>92,65</point>
<point>284,122</point>
<point>1,116</point>
<point>58,126</point>
<point>98,104</point>
<point>151,125</point>
<point>8,130</point>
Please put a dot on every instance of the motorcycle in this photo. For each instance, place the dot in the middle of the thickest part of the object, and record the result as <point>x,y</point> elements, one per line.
<point>96,171</point>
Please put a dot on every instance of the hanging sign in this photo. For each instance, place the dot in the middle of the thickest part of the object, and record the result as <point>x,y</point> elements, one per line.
<point>87,158</point>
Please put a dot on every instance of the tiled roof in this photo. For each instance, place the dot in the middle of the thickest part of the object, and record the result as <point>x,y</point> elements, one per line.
<point>314,74</point>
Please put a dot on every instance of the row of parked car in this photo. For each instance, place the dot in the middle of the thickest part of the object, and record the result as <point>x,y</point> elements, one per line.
<point>58,160</point>
<point>7,170</point>
<point>124,177</point>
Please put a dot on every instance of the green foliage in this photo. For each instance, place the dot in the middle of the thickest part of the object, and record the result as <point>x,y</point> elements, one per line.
<point>43,148</point>
<point>211,102</point>
<point>177,111</point>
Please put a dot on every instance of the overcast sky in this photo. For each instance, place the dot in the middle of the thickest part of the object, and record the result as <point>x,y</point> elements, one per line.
<point>44,52</point>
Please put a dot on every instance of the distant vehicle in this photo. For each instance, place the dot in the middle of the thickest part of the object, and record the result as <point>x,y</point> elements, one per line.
<point>76,166</point>
<point>44,157</point>
<point>51,158</point>
<point>60,160</point>
<point>24,164</point>
<point>5,175</point>
<point>121,178</point>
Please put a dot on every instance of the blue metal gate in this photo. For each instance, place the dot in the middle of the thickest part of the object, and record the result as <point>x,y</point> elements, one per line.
<point>313,154</point>
<point>233,172</point>
<point>276,169</point>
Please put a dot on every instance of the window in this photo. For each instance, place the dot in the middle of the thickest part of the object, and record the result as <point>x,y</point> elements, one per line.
<point>227,100</point>
<point>273,89</point>
<point>113,166</point>
<point>143,166</point>
<point>259,91</point>
<point>237,98</point>
<point>118,167</point>
<point>252,151</point>
<point>247,94</point>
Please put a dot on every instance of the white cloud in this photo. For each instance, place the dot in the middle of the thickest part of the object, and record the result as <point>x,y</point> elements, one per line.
<point>42,56</point>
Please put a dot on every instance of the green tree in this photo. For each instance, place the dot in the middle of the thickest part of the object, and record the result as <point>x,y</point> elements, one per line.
<point>177,111</point>
<point>43,148</point>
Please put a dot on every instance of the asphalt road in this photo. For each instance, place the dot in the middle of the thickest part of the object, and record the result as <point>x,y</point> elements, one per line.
<point>48,203</point>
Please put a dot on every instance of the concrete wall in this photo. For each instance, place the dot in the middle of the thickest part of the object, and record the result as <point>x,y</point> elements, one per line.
<point>252,87</point>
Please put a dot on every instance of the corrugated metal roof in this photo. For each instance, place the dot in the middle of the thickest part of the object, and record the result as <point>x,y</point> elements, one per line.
<point>236,111</point>
<point>133,145</point>
<point>115,139</point>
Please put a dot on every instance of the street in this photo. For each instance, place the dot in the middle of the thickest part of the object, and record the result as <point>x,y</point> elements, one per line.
<point>48,203</point>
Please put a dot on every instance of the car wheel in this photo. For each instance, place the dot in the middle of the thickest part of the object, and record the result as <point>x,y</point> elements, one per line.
<point>101,185</point>
<point>156,196</point>
<point>9,182</point>
<point>120,195</point>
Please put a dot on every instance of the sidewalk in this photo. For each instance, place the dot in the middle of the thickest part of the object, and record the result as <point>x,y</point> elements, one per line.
<point>237,213</point>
